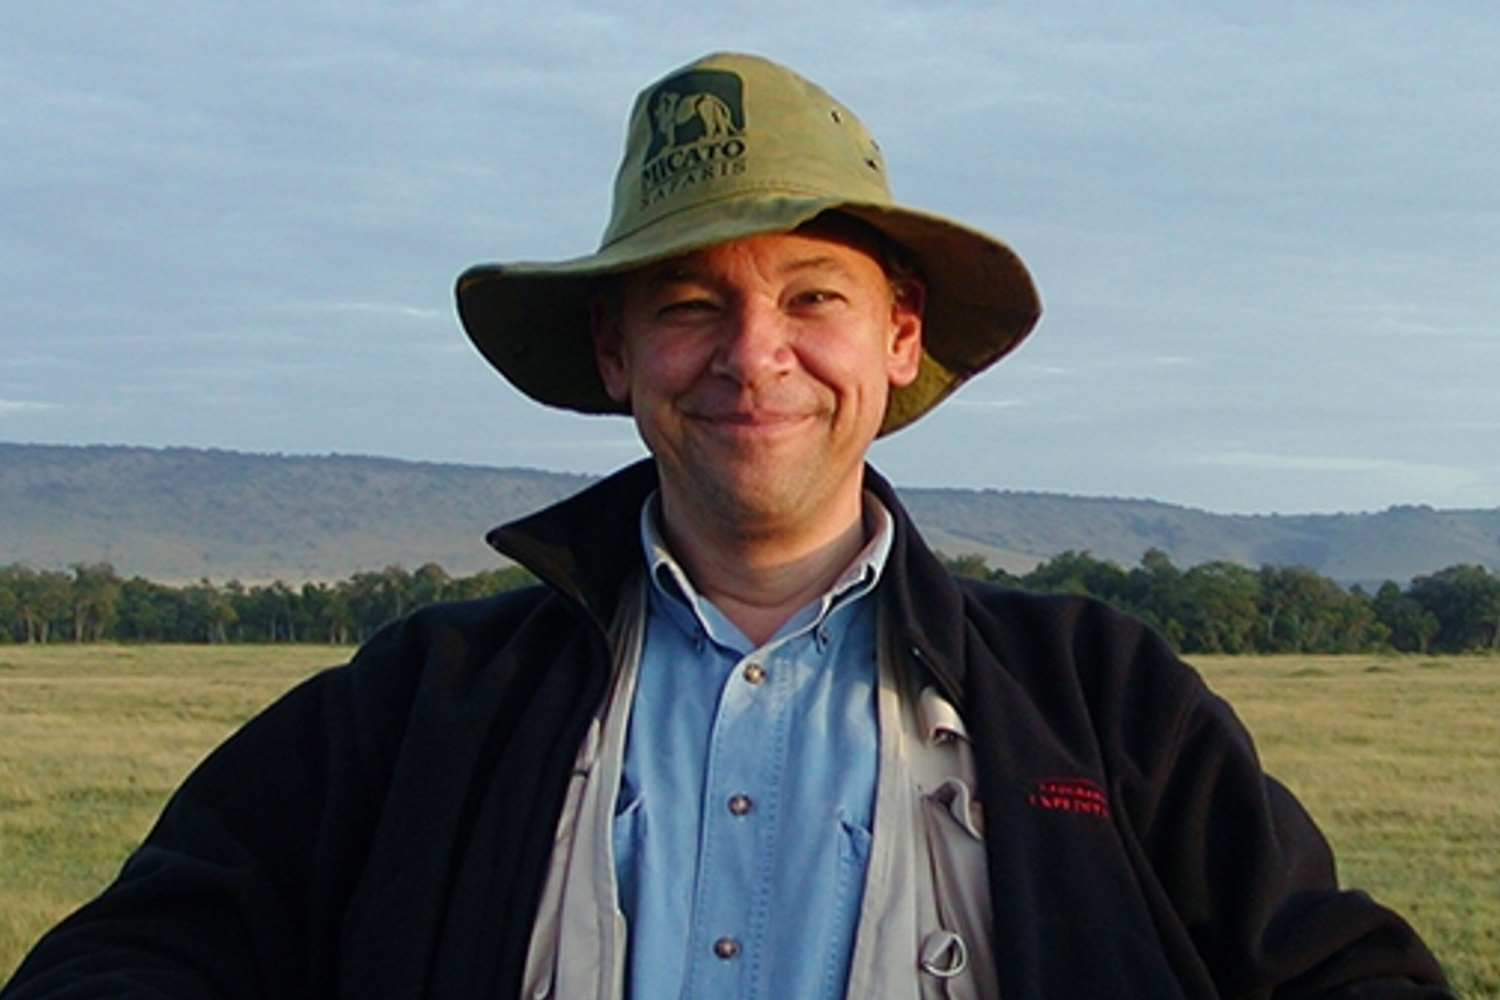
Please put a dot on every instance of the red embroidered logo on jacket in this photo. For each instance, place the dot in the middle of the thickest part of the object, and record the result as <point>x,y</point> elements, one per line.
<point>1074,795</point>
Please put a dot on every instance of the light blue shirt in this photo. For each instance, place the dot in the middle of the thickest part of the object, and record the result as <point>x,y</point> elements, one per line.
<point>742,826</point>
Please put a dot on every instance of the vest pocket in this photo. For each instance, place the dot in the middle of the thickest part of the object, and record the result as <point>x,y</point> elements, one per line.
<point>952,827</point>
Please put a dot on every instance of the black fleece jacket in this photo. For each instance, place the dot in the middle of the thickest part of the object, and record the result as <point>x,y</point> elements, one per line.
<point>384,829</point>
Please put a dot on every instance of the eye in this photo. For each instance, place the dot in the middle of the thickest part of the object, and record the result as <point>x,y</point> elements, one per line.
<point>813,297</point>
<point>683,299</point>
<point>687,307</point>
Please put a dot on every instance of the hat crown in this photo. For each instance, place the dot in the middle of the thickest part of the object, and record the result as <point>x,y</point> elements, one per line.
<point>731,124</point>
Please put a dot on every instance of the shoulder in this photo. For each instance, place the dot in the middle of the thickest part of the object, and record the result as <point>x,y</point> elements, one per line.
<point>444,647</point>
<point>1067,614</point>
<point>370,699</point>
<point>478,623</point>
<point>1085,665</point>
<point>340,734</point>
<point>1028,630</point>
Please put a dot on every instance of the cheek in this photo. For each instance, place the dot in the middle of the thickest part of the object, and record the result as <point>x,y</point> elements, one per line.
<point>862,360</point>
<point>661,366</point>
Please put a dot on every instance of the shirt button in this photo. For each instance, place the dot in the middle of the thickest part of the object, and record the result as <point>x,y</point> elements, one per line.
<point>739,804</point>
<point>754,673</point>
<point>726,948</point>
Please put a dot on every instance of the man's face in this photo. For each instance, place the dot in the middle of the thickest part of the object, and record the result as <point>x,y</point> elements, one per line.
<point>758,371</point>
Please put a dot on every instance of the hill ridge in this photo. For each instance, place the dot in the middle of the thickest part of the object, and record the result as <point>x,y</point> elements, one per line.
<point>179,513</point>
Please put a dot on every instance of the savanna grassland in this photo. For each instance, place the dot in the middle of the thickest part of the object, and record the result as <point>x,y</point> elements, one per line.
<point>1398,758</point>
<point>92,740</point>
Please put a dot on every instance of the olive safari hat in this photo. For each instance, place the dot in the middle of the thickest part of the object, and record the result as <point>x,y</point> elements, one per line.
<point>727,147</point>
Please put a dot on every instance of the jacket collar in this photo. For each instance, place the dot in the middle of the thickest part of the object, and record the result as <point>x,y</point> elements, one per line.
<point>924,602</point>
<point>587,548</point>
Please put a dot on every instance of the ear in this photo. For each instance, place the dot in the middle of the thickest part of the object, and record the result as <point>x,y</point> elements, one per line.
<point>609,347</point>
<point>904,358</point>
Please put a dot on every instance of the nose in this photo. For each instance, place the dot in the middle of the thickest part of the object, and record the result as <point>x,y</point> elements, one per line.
<point>754,347</point>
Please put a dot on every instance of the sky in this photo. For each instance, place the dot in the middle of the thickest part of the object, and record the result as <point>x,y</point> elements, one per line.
<point>1267,236</point>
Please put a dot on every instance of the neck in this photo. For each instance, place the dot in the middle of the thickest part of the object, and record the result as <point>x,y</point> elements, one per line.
<point>760,578</point>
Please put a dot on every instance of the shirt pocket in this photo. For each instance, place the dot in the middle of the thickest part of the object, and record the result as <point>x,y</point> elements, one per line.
<point>627,841</point>
<point>849,885</point>
<point>854,847</point>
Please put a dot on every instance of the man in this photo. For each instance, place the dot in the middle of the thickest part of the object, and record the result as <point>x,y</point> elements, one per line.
<point>749,738</point>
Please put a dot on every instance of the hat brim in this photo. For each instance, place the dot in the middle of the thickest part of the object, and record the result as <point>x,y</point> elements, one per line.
<point>531,320</point>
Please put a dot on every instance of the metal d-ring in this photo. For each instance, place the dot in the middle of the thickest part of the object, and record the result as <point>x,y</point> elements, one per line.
<point>947,948</point>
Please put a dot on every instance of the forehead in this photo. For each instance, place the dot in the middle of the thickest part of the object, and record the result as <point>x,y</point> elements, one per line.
<point>827,243</point>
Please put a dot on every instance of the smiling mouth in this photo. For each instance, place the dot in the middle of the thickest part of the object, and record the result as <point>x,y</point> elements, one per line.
<point>751,429</point>
<point>750,423</point>
<point>750,418</point>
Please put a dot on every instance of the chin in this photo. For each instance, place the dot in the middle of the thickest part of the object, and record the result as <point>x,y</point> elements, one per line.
<point>769,501</point>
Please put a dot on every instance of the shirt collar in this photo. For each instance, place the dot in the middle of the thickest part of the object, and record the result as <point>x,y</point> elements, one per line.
<point>669,580</point>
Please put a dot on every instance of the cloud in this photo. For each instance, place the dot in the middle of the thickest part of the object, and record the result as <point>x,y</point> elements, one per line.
<point>1428,479</point>
<point>631,444</point>
<point>8,406</point>
<point>964,403</point>
<point>383,309</point>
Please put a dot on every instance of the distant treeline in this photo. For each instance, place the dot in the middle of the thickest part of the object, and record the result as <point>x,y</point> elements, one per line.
<point>93,604</point>
<point>1223,607</point>
<point>1215,607</point>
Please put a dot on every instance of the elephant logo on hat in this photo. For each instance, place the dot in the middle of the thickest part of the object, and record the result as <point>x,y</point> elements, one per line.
<point>696,106</point>
<point>673,110</point>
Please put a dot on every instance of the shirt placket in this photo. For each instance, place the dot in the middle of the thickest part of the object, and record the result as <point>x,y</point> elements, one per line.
<point>743,789</point>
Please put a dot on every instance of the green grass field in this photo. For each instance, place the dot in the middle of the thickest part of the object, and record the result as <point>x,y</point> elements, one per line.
<point>1397,757</point>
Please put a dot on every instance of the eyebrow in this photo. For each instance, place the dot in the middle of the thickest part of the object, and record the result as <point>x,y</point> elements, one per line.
<point>815,264</point>
<point>674,271</point>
